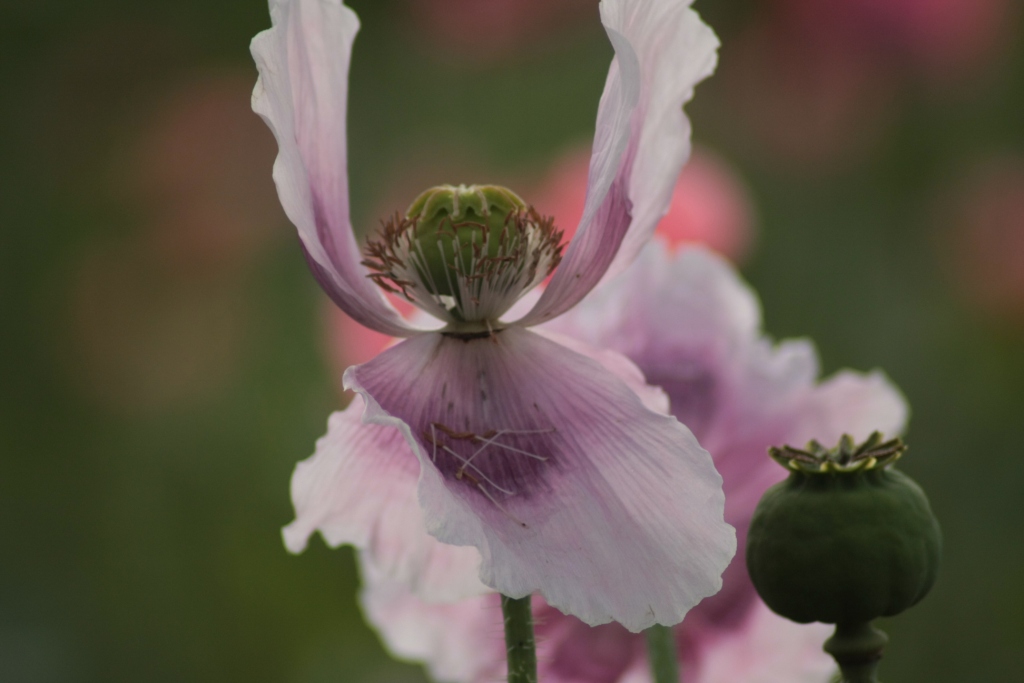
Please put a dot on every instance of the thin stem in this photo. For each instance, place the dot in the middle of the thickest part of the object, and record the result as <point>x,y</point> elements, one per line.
<point>857,649</point>
<point>519,642</point>
<point>661,653</point>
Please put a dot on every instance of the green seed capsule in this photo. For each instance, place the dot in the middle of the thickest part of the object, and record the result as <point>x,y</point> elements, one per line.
<point>846,538</point>
<point>456,227</point>
<point>464,254</point>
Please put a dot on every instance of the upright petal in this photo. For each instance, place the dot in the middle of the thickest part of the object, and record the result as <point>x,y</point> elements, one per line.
<point>554,469</point>
<point>641,141</point>
<point>302,94</point>
<point>360,488</point>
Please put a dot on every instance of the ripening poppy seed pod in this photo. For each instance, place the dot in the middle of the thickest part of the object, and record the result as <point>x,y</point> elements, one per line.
<point>846,538</point>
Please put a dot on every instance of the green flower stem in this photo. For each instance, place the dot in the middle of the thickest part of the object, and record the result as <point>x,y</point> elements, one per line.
<point>661,653</point>
<point>519,642</point>
<point>857,649</point>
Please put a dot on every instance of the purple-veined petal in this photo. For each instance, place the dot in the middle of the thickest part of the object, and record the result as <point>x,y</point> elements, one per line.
<point>554,469</point>
<point>641,141</point>
<point>302,94</point>
<point>359,487</point>
<point>694,328</point>
<point>654,398</point>
<point>693,313</point>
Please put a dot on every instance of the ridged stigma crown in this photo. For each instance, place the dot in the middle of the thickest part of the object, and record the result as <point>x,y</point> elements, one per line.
<point>464,253</point>
<point>847,456</point>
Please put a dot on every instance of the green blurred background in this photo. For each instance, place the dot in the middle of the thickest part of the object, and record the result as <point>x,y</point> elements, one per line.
<point>166,358</point>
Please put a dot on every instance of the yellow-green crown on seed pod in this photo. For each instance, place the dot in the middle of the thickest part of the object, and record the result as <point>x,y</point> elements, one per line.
<point>846,538</point>
<point>457,225</point>
<point>848,456</point>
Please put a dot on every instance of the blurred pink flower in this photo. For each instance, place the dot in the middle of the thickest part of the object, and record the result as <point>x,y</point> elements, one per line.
<point>349,343</point>
<point>492,27</point>
<point>161,316</point>
<point>740,392</point>
<point>808,100</point>
<point>817,82</point>
<point>986,213</point>
<point>523,443</point>
<point>199,171</point>
<point>946,38</point>
<point>710,205</point>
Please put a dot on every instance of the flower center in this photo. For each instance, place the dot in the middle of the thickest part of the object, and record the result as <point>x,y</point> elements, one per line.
<point>464,254</point>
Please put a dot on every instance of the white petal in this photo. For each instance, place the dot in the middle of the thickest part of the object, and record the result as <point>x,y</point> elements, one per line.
<point>359,488</point>
<point>460,642</point>
<point>302,94</point>
<point>641,141</point>
<point>694,328</point>
<point>588,480</point>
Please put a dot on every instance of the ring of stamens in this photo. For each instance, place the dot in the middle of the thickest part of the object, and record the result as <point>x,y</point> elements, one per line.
<point>463,268</point>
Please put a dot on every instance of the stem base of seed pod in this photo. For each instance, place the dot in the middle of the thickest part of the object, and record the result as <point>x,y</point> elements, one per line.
<point>857,649</point>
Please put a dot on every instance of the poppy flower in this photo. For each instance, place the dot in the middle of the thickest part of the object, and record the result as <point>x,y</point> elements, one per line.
<point>533,450</point>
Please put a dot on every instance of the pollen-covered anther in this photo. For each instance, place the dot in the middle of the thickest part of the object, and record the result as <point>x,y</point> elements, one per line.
<point>465,254</point>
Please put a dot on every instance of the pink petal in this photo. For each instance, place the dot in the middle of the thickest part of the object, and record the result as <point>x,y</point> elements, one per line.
<point>767,649</point>
<point>692,311</point>
<point>694,328</point>
<point>459,641</point>
<point>462,642</point>
<point>855,404</point>
<point>641,141</point>
<point>710,204</point>
<point>302,94</point>
<point>584,479</point>
<point>654,398</point>
<point>360,488</point>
